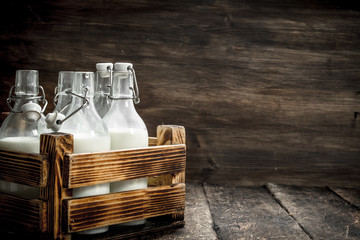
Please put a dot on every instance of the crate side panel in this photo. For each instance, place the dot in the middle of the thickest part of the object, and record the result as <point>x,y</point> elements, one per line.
<point>22,213</point>
<point>28,169</point>
<point>88,169</point>
<point>91,212</point>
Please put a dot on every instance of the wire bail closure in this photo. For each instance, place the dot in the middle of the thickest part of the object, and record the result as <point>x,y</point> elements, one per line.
<point>85,102</point>
<point>12,98</point>
<point>135,90</point>
<point>55,120</point>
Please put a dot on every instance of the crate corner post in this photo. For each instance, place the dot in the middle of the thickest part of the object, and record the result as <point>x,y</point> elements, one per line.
<point>171,135</point>
<point>56,146</point>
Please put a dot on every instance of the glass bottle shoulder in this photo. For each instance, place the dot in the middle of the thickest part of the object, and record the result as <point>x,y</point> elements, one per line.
<point>122,114</point>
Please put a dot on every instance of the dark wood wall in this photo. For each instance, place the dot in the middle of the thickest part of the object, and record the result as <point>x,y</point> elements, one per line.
<point>267,89</point>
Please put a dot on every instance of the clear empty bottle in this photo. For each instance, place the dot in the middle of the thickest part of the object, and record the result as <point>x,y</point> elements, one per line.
<point>103,77</point>
<point>22,128</point>
<point>127,129</point>
<point>78,116</point>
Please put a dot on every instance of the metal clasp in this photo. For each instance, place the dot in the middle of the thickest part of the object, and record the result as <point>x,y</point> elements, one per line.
<point>85,102</point>
<point>136,90</point>
<point>12,98</point>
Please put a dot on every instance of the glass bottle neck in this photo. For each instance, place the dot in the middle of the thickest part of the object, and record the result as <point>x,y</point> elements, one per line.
<point>122,86</point>
<point>102,82</point>
<point>73,87</point>
<point>26,89</point>
<point>125,104</point>
<point>26,83</point>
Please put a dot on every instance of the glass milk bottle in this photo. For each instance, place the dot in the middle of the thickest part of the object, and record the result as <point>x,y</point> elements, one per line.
<point>79,117</point>
<point>62,99</point>
<point>127,129</point>
<point>22,128</point>
<point>103,77</point>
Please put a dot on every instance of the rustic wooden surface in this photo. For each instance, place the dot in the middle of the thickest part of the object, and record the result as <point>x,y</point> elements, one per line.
<point>56,145</point>
<point>98,211</point>
<point>89,169</point>
<point>249,213</point>
<point>272,212</point>
<point>28,169</point>
<point>22,213</point>
<point>198,220</point>
<point>352,195</point>
<point>321,213</point>
<point>266,89</point>
<point>169,135</point>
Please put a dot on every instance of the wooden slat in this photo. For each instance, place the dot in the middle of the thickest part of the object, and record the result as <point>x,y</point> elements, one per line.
<point>24,168</point>
<point>95,168</point>
<point>22,213</point>
<point>90,212</point>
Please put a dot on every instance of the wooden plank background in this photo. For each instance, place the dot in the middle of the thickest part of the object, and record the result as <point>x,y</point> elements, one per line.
<point>266,89</point>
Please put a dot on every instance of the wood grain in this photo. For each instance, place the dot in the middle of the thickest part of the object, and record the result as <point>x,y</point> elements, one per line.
<point>249,213</point>
<point>152,141</point>
<point>317,209</point>
<point>199,224</point>
<point>56,145</point>
<point>21,213</point>
<point>259,85</point>
<point>86,213</point>
<point>351,195</point>
<point>88,169</point>
<point>169,135</point>
<point>24,168</point>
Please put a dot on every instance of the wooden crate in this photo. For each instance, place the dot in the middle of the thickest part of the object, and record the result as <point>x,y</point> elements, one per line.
<point>56,171</point>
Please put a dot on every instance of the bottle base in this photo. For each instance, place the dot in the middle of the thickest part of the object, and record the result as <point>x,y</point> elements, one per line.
<point>133,223</point>
<point>94,231</point>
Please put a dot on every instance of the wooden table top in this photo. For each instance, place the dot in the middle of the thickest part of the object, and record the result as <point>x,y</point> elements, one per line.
<point>269,212</point>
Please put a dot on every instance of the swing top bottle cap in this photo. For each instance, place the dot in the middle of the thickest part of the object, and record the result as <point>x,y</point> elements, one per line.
<point>122,67</point>
<point>104,66</point>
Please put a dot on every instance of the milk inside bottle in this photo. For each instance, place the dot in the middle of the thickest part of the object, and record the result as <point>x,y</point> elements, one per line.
<point>127,129</point>
<point>82,121</point>
<point>21,130</point>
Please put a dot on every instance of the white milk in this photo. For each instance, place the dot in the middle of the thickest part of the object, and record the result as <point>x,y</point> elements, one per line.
<point>20,144</point>
<point>128,138</point>
<point>87,144</point>
<point>125,139</point>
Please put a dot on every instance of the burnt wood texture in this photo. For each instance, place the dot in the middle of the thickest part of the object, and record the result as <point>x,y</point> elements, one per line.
<point>29,169</point>
<point>266,89</point>
<point>56,214</point>
<point>22,213</point>
<point>87,169</point>
<point>56,145</point>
